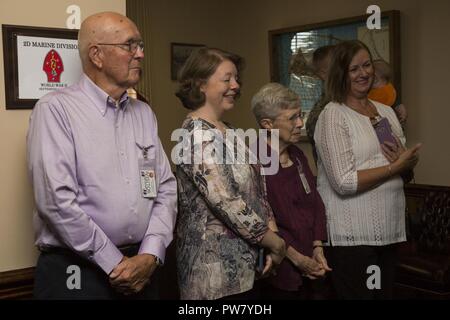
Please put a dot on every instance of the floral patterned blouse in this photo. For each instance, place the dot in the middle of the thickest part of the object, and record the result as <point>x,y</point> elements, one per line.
<point>223,215</point>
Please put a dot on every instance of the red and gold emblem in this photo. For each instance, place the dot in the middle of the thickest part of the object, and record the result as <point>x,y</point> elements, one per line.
<point>53,66</point>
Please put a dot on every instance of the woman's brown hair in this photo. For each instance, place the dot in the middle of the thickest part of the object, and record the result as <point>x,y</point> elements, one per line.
<point>200,65</point>
<point>337,85</point>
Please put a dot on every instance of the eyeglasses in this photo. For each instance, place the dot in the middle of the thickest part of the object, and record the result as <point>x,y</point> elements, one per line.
<point>130,46</point>
<point>294,118</point>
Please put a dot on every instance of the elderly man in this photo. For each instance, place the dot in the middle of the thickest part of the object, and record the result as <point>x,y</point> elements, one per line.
<point>104,190</point>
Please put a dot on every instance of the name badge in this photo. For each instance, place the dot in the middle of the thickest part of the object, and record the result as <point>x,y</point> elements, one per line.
<point>305,183</point>
<point>148,178</point>
<point>148,183</point>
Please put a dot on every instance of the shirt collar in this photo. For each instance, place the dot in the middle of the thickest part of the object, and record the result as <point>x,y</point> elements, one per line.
<point>100,98</point>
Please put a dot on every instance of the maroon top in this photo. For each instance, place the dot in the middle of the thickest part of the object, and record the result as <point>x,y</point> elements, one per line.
<point>300,217</point>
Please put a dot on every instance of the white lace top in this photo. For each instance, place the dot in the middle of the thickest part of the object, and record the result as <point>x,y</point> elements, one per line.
<point>346,142</point>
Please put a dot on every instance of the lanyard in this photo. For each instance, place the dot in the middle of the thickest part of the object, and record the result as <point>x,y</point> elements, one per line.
<point>302,176</point>
<point>299,166</point>
<point>144,150</point>
<point>139,138</point>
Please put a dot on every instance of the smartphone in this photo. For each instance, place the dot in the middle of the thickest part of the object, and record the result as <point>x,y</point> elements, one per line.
<point>384,131</point>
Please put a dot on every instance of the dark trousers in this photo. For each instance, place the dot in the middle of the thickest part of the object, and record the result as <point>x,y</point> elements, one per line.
<point>350,271</point>
<point>53,272</point>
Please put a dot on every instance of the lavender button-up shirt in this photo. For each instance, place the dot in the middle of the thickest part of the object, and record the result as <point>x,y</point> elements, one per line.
<point>83,158</point>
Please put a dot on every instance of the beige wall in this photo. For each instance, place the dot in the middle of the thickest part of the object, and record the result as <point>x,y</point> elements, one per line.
<point>16,233</point>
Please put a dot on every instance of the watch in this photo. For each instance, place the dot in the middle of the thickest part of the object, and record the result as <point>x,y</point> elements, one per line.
<point>158,261</point>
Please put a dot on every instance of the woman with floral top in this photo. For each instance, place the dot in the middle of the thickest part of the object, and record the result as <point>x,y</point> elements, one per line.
<point>224,217</point>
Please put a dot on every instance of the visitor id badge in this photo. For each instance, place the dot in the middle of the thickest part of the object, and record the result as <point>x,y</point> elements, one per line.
<point>148,178</point>
<point>305,183</point>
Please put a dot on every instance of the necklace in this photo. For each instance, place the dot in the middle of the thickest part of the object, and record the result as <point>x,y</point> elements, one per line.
<point>216,123</point>
<point>368,110</point>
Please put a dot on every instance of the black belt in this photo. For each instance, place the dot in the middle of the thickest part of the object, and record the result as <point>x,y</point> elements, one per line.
<point>127,250</point>
<point>130,250</point>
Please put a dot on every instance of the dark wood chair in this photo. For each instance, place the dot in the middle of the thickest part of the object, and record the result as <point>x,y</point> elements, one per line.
<point>423,270</point>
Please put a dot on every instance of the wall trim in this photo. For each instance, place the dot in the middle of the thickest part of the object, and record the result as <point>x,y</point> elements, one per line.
<point>17,284</point>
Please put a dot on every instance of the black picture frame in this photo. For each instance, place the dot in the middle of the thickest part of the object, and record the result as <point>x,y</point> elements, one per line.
<point>11,61</point>
<point>277,45</point>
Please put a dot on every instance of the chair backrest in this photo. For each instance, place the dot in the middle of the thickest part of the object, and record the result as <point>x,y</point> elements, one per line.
<point>428,217</point>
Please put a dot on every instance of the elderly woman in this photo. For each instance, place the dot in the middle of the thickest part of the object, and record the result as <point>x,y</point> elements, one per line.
<point>359,177</point>
<point>224,217</point>
<point>298,209</point>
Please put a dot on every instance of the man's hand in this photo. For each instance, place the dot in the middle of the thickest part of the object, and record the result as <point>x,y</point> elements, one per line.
<point>132,274</point>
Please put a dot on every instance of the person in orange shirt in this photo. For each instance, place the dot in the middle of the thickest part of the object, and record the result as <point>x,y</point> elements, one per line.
<point>384,91</point>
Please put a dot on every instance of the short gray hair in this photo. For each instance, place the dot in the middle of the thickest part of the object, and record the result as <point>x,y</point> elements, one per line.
<point>271,99</point>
